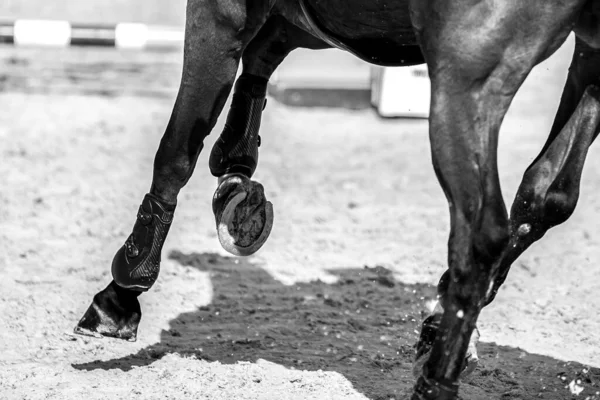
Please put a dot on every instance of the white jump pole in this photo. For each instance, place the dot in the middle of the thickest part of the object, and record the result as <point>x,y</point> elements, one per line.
<point>54,33</point>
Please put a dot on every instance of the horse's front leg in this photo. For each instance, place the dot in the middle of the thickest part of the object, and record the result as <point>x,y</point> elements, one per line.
<point>244,217</point>
<point>216,34</point>
<point>478,56</point>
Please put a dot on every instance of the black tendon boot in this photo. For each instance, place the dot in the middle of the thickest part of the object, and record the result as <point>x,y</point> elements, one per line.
<point>236,150</point>
<point>115,311</point>
<point>137,264</point>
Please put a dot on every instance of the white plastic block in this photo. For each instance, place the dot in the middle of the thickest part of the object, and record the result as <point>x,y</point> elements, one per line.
<point>401,91</point>
<point>131,36</point>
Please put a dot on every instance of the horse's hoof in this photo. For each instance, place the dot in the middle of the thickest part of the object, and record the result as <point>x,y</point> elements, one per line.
<point>425,345</point>
<point>244,216</point>
<point>115,312</point>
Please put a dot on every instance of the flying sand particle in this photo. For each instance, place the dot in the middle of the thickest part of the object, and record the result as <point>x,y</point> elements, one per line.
<point>575,388</point>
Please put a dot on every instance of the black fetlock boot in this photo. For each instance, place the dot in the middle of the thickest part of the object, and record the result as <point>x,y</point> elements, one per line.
<point>236,150</point>
<point>429,330</point>
<point>244,217</point>
<point>137,264</point>
<point>115,311</point>
<point>426,389</point>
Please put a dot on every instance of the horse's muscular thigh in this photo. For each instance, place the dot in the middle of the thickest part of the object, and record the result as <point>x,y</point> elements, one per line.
<point>231,12</point>
<point>240,16</point>
<point>478,36</point>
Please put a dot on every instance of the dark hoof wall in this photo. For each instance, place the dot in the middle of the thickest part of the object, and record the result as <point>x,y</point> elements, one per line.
<point>115,312</point>
<point>243,215</point>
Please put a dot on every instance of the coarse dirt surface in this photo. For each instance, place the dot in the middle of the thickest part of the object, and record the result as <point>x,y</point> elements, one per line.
<point>328,309</point>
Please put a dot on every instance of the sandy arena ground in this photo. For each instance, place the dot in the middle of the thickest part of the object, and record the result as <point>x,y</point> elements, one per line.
<point>328,309</point>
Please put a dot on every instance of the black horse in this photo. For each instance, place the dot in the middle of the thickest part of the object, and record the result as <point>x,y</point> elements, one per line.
<point>478,53</point>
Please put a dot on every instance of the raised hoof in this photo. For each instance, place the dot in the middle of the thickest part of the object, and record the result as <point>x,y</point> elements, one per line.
<point>425,346</point>
<point>115,312</point>
<point>243,215</point>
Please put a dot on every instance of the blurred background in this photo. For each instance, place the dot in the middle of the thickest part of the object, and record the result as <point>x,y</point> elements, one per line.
<point>329,78</point>
<point>105,11</point>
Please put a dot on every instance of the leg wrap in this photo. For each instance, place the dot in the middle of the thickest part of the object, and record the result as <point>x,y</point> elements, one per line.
<point>236,150</point>
<point>429,331</point>
<point>137,264</point>
<point>426,389</point>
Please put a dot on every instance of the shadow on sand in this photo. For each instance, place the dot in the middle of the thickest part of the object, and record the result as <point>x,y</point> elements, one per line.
<point>363,327</point>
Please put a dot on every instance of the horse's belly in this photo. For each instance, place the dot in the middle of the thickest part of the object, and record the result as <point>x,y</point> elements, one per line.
<point>379,31</point>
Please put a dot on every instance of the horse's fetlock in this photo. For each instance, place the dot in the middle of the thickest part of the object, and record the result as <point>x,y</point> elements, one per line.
<point>463,293</point>
<point>465,302</point>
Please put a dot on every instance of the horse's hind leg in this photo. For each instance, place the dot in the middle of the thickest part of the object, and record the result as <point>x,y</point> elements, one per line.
<point>549,190</point>
<point>244,217</point>
<point>216,34</point>
<point>554,174</point>
<point>478,57</point>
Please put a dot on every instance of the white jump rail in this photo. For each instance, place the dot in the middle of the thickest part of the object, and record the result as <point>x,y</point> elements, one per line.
<point>55,33</point>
